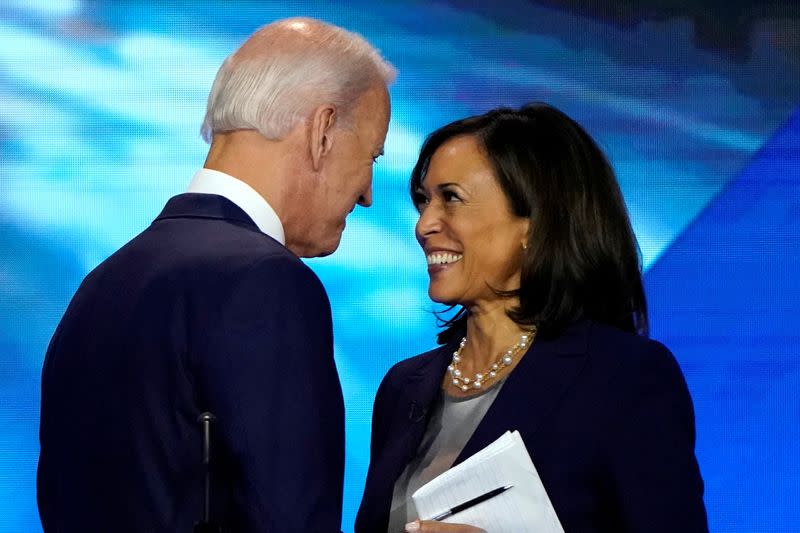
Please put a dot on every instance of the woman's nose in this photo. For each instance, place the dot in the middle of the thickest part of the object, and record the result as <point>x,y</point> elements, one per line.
<point>429,223</point>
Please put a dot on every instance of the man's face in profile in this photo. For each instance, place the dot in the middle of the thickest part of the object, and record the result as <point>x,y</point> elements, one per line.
<point>347,178</point>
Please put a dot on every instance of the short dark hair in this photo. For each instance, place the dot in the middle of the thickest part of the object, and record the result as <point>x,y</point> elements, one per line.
<point>582,260</point>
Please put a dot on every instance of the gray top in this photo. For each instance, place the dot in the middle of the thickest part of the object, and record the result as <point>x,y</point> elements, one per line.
<point>452,423</point>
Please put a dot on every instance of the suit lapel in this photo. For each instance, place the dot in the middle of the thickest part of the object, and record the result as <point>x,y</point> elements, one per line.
<point>534,389</point>
<point>423,387</point>
<point>410,414</point>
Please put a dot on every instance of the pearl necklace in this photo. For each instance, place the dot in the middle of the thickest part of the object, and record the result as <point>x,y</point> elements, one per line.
<point>480,378</point>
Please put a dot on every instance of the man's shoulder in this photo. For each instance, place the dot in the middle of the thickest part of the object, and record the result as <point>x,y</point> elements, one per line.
<point>209,243</point>
<point>205,254</point>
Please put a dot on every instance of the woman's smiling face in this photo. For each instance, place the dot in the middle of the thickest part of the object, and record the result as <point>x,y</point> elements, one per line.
<point>471,239</point>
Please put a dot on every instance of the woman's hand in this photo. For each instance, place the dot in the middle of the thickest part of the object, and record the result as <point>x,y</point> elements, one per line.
<point>430,526</point>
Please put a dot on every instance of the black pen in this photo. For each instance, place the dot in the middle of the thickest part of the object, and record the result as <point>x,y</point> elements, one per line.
<point>471,503</point>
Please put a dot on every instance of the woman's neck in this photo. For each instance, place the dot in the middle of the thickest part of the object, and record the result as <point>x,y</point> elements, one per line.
<point>490,332</point>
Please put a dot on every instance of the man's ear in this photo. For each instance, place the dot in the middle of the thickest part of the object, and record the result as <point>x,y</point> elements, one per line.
<point>320,140</point>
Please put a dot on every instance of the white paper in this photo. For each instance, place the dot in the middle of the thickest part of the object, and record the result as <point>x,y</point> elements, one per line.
<point>525,508</point>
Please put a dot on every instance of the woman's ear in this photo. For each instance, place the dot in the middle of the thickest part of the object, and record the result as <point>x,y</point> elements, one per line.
<point>526,225</point>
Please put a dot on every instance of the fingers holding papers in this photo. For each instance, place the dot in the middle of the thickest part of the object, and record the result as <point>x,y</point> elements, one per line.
<point>430,526</point>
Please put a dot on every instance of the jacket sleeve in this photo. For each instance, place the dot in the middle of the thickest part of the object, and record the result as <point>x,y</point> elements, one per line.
<point>650,446</point>
<point>265,368</point>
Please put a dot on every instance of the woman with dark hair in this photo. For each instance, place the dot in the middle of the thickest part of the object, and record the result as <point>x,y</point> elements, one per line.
<point>526,233</point>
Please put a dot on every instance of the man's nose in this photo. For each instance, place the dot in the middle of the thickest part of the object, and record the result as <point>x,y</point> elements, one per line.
<point>365,200</point>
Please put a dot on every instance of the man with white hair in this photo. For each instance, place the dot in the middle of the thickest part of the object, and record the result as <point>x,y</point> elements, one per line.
<point>211,310</point>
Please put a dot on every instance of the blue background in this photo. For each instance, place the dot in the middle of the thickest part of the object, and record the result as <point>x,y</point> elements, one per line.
<point>697,106</point>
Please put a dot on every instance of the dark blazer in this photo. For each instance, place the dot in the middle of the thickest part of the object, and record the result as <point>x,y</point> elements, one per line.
<point>200,312</point>
<point>605,415</point>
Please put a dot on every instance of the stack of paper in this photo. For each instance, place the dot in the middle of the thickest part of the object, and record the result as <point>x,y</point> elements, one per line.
<point>523,508</point>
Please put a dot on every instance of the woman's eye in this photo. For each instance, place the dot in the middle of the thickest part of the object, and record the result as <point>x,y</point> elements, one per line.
<point>450,196</point>
<point>420,200</point>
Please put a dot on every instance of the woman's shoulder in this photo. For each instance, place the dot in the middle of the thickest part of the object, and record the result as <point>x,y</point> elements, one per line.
<point>623,352</point>
<point>605,337</point>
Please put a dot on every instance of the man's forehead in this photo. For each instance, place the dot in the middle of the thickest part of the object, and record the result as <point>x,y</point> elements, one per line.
<point>373,114</point>
<point>374,103</point>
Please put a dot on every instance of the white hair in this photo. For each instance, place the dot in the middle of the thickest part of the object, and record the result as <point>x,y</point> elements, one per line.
<point>287,69</point>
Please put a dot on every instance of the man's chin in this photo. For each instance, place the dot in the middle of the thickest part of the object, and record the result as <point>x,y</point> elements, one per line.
<point>322,247</point>
<point>329,247</point>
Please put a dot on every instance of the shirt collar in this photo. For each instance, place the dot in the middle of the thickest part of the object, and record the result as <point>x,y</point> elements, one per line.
<point>207,181</point>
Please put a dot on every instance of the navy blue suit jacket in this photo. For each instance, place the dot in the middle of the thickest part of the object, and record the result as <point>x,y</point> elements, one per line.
<point>200,312</point>
<point>605,415</point>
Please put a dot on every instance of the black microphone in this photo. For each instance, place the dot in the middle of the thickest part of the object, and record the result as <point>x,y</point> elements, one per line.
<point>206,525</point>
<point>417,412</point>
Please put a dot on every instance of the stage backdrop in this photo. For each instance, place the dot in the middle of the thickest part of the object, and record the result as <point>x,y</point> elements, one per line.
<point>100,107</point>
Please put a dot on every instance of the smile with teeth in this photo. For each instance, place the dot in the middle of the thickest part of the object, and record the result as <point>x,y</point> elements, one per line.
<point>442,258</point>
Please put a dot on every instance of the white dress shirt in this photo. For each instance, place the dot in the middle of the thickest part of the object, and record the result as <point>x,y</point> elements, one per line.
<point>207,181</point>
